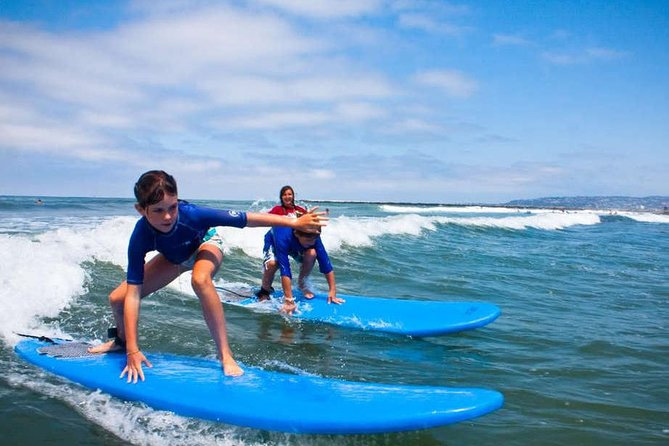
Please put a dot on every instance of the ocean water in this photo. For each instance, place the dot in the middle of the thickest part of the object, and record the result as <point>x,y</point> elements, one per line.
<point>581,351</point>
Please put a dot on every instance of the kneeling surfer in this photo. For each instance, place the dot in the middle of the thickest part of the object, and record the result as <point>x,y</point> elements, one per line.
<point>306,247</point>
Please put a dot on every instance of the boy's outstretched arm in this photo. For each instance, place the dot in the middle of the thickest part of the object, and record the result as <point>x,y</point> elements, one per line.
<point>309,220</point>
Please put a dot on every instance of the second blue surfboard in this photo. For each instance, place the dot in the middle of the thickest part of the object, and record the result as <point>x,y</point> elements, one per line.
<point>399,316</point>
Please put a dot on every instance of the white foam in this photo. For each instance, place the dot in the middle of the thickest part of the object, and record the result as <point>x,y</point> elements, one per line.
<point>285,367</point>
<point>359,232</point>
<point>548,221</point>
<point>41,275</point>
<point>37,281</point>
<point>248,240</point>
<point>135,423</point>
<point>402,209</point>
<point>340,231</point>
<point>343,231</point>
<point>645,217</point>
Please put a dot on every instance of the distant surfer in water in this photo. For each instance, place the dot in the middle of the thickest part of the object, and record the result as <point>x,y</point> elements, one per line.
<point>305,246</point>
<point>186,238</point>
<point>287,206</point>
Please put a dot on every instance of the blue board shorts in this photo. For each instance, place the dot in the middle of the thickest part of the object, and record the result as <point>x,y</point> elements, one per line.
<point>212,237</point>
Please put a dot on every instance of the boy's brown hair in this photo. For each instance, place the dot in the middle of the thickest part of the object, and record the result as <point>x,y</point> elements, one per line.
<point>152,187</point>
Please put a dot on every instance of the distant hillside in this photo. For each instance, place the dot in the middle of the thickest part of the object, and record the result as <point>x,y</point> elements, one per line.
<point>653,203</point>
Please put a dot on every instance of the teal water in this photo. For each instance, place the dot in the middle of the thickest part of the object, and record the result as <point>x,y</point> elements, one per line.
<point>580,352</point>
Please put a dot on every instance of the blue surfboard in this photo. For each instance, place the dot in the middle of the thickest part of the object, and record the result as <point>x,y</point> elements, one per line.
<point>400,316</point>
<point>197,387</point>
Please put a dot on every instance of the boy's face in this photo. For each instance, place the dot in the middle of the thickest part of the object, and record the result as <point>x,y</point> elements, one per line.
<point>162,216</point>
<point>307,240</point>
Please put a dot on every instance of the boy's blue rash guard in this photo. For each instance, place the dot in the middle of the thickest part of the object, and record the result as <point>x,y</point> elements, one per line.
<point>182,241</point>
<point>286,244</point>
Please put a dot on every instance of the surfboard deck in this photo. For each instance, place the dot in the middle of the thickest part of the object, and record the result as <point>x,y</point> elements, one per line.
<point>261,399</point>
<point>399,316</point>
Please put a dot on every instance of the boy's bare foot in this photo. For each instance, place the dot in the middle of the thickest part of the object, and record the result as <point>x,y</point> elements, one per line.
<point>307,293</point>
<point>231,368</point>
<point>105,347</point>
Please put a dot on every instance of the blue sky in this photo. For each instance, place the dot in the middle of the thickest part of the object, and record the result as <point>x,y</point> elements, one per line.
<point>391,100</point>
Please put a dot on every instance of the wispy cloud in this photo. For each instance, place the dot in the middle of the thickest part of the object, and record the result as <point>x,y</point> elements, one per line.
<point>600,53</point>
<point>429,24</point>
<point>248,90</point>
<point>432,16</point>
<point>439,8</point>
<point>510,40</point>
<point>454,82</point>
<point>280,119</point>
<point>324,9</point>
<point>583,56</point>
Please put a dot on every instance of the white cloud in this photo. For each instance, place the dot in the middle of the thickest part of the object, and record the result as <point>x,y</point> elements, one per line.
<point>324,9</point>
<point>431,7</point>
<point>605,53</point>
<point>430,24</point>
<point>360,111</point>
<point>280,119</point>
<point>240,90</point>
<point>562,58</point>
<point>583,56</point>
<point>216,39</point>
<point>412,125</point>
<point>452,82</point>
<point>321,174</point>
<point>45,138</point>
<point>431,16</point>
<point>510,40</point>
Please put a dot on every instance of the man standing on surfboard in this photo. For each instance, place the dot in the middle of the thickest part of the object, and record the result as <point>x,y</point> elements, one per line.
<point>186,238</point>
<point>303,245</point>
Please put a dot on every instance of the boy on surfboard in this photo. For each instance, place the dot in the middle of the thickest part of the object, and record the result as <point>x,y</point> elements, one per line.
<point>186,238</point>
<point>303,245</point>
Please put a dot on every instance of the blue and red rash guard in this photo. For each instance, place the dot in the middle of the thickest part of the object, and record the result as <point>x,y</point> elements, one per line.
<point>182,241</point>
<point>285,244</point>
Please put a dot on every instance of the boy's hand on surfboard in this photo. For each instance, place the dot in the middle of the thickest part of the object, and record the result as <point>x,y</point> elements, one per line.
<point>288,307</point>
<point>333,299</point>
<point>134,366</point>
